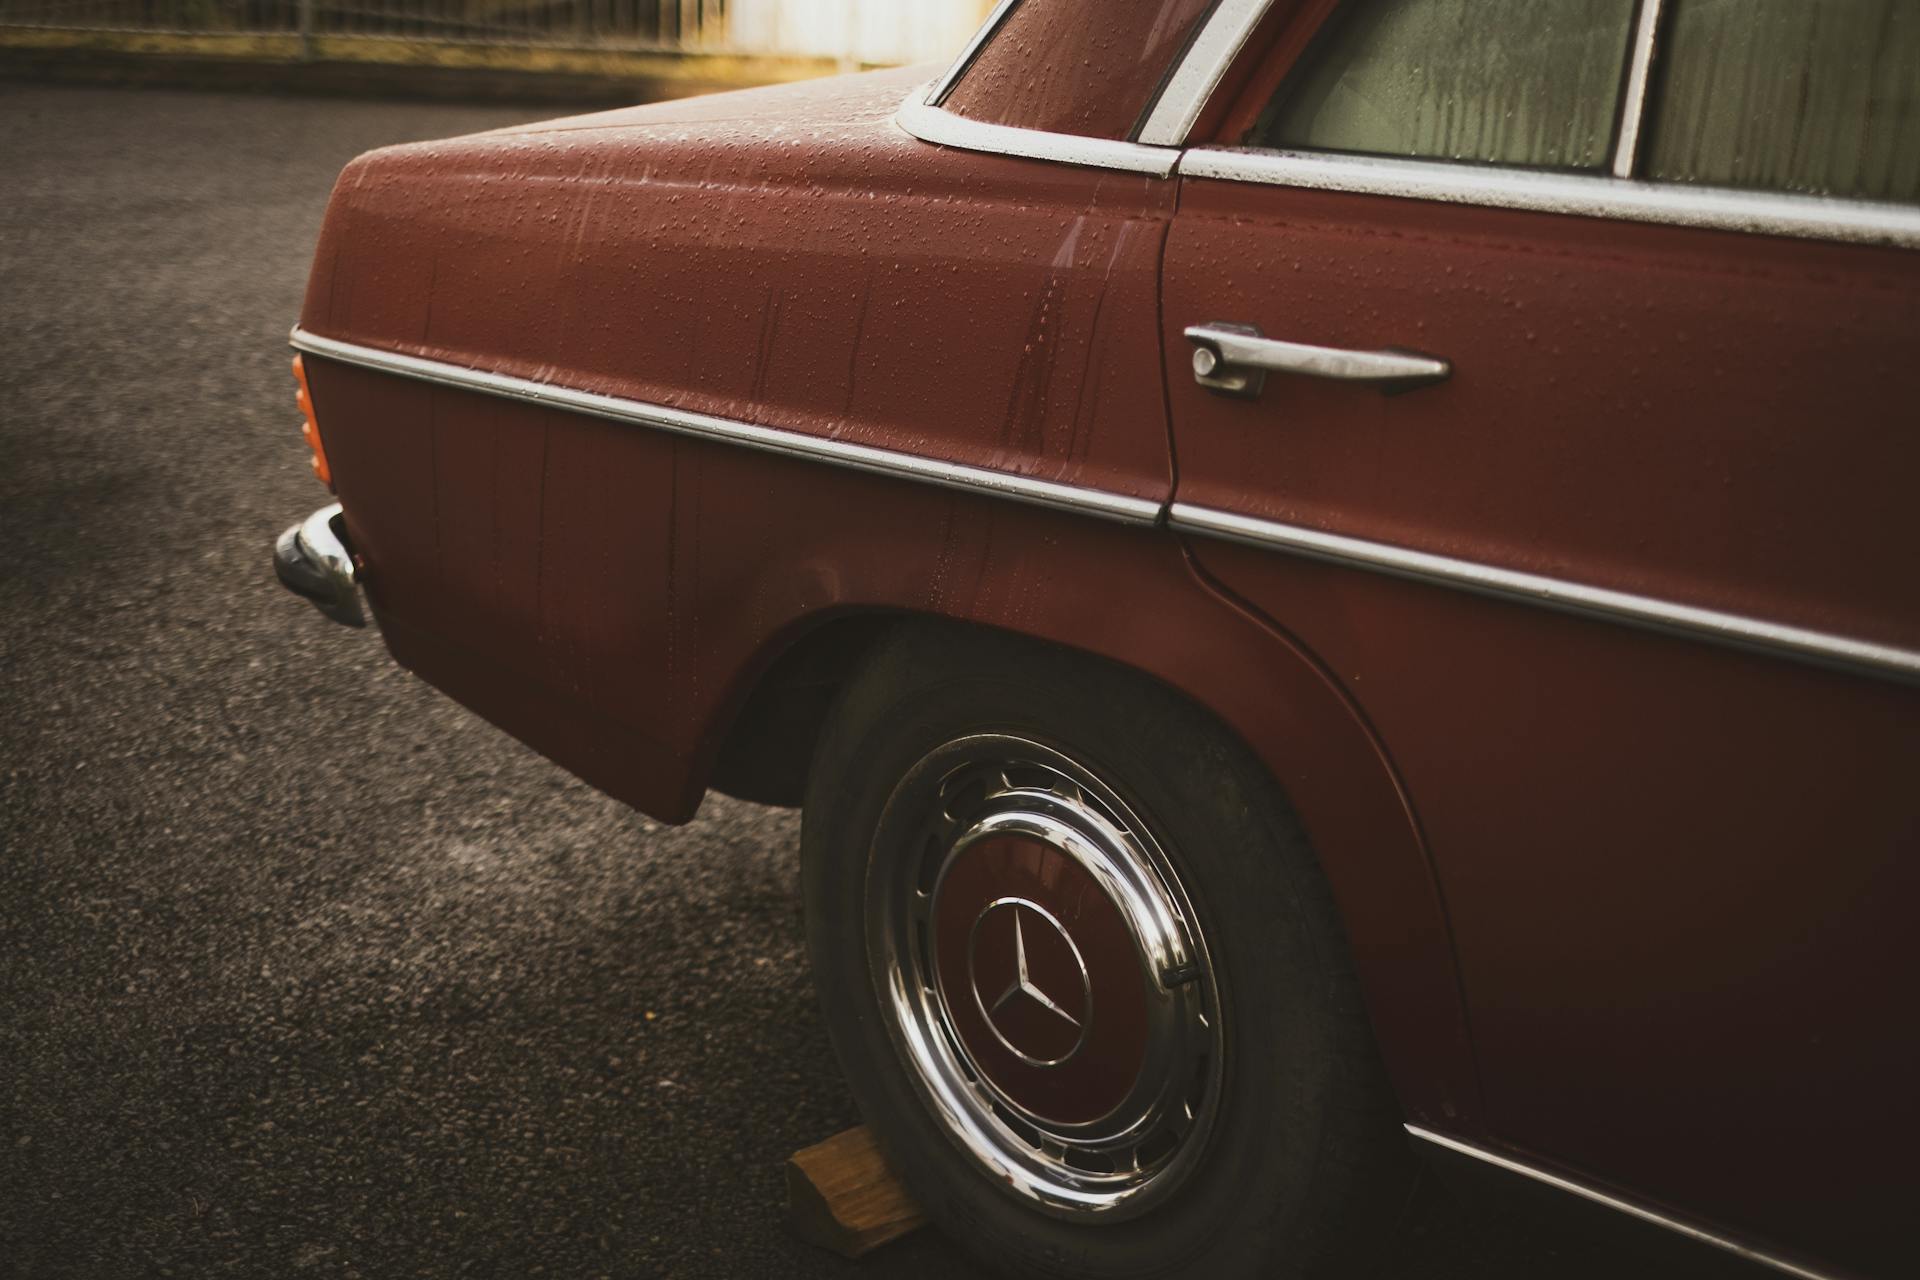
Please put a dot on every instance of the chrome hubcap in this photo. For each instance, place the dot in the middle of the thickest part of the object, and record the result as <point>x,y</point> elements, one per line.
<point>1044,977</point>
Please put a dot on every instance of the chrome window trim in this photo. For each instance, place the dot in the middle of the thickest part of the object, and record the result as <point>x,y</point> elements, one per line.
<point>936,124</point>
<point>964,63</point>
<point>1735,630</point>
<point>1602,1198</point>
<point>1185,94</point>
<point>1633,109</point>
<point>1593,196</point>
<point>1119,507</point>
<point>1618,196</point>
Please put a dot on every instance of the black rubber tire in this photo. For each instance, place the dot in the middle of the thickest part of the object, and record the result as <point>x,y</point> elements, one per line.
<point>1307,1171</point>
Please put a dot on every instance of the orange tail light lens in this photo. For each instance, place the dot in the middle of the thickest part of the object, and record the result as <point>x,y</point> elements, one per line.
<point>310,428</point>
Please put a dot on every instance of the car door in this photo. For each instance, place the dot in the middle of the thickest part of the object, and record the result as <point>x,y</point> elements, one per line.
<point>1596,493</point>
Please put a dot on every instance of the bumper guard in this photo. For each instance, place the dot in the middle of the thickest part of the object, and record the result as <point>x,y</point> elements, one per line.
<point>312,561</point>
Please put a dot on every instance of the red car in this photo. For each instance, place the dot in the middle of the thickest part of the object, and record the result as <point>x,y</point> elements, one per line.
<point>1338,583</point>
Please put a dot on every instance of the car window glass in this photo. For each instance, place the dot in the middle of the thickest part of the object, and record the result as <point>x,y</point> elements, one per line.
<point>1790,95</point>
<point>1516,82</point>
<point>1086,67</point>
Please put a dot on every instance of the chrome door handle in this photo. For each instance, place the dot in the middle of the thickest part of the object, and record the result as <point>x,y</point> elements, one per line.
<point>1234,360</point>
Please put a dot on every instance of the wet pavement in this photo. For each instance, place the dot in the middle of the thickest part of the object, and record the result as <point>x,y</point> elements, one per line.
<point>303,969</point>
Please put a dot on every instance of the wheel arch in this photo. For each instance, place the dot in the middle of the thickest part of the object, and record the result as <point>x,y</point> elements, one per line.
<point>1261,687</point>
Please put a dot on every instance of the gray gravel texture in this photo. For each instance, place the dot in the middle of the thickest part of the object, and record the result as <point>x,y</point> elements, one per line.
<point>303,969</point>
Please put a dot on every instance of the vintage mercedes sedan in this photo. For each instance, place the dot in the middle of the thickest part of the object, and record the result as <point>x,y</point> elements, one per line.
<point>1338,583</point>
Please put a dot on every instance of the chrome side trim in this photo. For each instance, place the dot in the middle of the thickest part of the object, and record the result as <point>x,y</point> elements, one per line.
<point>793,444</point>
<point>964,63</point>
<point>1633,108</point>
<point>1553,593</point>
<point>1598,1197</point>
<point>1807,217</point>
<point>936,124</point>
<point>1185,94</point>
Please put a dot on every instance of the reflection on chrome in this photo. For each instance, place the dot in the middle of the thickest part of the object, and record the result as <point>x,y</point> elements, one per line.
<point>995,787</point>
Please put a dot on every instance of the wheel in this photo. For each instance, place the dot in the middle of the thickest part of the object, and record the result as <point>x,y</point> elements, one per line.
<point>1084,975</point>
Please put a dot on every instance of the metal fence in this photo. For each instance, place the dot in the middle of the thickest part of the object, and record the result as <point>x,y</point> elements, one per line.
<point>615,24</point>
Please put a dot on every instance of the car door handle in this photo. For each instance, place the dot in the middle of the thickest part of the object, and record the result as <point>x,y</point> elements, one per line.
<point>1234,359</point>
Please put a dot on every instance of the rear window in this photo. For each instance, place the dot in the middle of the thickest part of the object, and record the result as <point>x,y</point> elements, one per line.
<point>1086,67</point>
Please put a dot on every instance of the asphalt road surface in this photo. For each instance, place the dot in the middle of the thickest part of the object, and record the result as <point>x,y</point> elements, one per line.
<point>303,969</point>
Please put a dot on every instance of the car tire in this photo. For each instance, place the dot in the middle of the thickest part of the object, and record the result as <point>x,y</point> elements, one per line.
<point>984,947</point>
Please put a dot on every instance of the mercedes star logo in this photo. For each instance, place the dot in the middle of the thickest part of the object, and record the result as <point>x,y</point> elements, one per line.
<point>1029,981</point>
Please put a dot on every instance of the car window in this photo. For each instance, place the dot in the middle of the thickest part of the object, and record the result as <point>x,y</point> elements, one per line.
<point>1514,82</point>
<point>1071,66</point>
<point>1790,95</point>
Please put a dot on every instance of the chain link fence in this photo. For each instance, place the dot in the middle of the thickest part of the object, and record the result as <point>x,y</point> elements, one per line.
<point>666,25</point>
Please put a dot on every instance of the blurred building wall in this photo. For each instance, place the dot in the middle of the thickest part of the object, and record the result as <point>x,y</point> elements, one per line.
<point>856,31</point>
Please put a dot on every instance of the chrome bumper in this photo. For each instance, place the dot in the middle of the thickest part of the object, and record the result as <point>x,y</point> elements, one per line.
<point>311,560</point>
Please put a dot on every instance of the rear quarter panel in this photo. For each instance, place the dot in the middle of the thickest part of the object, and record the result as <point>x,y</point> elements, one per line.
<point>789,258</point>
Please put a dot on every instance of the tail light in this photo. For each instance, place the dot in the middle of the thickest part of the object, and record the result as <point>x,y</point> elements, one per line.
<point>310,427</point>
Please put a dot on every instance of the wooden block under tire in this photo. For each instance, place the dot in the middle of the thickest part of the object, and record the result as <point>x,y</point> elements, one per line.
<point>842,1196</point>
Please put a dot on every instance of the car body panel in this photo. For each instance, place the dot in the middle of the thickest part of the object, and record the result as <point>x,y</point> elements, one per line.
<point>1630,406</point>
<point>1662,859</point>
<point>802,264</point>
<point>1677,926</point>
<point>609,593</point>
